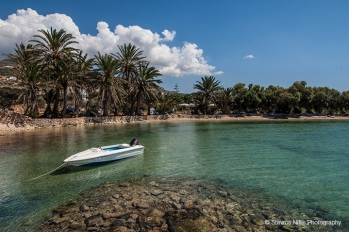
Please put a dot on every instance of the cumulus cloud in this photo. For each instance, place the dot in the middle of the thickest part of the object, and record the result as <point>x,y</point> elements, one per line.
<point>249,57</point>
<point>169,36</point>
<point>172,61</point>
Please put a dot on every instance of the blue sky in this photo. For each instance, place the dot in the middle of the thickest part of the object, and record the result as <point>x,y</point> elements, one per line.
<point>265,42</point>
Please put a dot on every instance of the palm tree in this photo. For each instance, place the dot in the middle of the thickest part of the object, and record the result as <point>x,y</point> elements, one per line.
<point>24,54</point>
<point>128,56</point>
<point>207,87</point>
<point>29,71</point>
<point>91,84</point>
<point>224,99</point>
<point>84,72</point>
<point>65,73</point>
<point>164,103</point>
<point>54,45</point>
<point>49,97</point>
<point>56,50</point>
<point>146,83</point>
<point>108,69</point>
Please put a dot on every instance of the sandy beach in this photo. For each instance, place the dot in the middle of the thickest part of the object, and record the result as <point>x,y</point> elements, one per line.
<point>41,123</point>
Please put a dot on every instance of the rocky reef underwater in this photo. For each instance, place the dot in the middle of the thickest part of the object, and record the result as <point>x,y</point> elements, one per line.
<point>181,204</point>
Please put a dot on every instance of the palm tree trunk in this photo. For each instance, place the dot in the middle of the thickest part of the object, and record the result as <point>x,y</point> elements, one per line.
<point>34,103</point>
<point>132,108</point>
<point>138,107</point>
<point>48,109</point>
<point>55,105</point>
<point>106,103</point>
<point>77,97</point>
<point>27,104</point>
<point>65,93</point>
<point>31,101</point>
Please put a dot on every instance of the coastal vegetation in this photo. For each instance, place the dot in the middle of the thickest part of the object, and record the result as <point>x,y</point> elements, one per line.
<point>53,76</point>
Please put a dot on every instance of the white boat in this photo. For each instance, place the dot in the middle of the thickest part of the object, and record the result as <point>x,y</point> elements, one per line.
<point>105,153</point>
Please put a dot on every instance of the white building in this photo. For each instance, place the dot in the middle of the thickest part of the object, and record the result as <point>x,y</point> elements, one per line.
<point>11,78</point>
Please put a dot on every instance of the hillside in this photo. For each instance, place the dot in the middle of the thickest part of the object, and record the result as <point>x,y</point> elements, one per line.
<point>5,68</point>
<point>7,62</point>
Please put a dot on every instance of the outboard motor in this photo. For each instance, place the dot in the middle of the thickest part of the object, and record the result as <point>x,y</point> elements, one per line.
<point>133,142</point>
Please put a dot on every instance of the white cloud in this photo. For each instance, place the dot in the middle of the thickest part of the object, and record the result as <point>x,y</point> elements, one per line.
<point>249,57</point>
<point>169,36</point>
<point>172,61</point>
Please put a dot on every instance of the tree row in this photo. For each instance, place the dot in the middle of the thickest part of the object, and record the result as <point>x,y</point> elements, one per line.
<point>53,72</point>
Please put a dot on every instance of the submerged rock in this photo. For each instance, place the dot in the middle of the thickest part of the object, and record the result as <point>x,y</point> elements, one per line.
<point>173,204</point>
<point>191,220</point>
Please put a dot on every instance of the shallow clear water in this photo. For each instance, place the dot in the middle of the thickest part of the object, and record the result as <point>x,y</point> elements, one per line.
<point>304,164</point>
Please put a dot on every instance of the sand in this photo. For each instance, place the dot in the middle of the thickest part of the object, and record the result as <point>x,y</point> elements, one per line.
<point>41,123</point>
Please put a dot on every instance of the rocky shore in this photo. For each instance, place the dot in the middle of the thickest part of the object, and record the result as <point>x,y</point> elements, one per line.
<point>18,122</point>
<point>177,204</point>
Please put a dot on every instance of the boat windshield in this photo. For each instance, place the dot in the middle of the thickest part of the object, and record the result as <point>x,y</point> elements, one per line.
<point>112,148</point>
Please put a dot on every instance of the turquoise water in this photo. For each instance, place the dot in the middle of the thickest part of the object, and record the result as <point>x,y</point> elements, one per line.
<point>303,164</point>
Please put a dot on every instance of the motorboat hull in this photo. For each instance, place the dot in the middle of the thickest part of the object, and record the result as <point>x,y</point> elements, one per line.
<point>104,154</point>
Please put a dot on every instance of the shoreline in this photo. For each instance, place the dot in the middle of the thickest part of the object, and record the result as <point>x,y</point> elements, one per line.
<point>42,123</point>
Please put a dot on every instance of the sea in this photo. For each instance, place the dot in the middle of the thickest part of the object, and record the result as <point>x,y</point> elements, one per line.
<point>303,164</point>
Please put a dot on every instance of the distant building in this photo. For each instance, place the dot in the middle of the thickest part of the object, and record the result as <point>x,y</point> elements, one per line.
<point>11,78</point>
